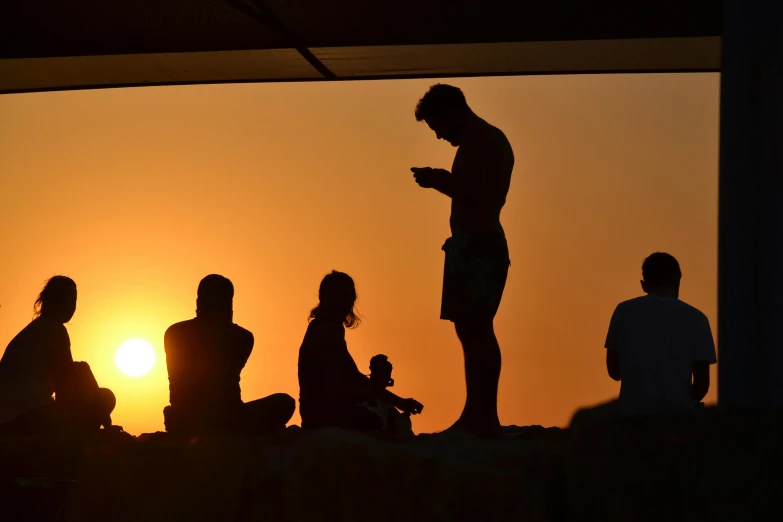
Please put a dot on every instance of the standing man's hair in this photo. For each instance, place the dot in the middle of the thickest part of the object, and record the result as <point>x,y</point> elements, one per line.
<point>661,268</point>
<point>440,99</point>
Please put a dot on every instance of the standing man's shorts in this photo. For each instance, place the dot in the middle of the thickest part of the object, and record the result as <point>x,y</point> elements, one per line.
<point>474,277</point>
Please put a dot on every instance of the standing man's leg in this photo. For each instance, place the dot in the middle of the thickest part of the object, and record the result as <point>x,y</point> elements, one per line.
<point>482,375</point>
<point>474,280</point>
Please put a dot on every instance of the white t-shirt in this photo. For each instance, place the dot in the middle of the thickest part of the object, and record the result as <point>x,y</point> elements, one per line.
<point>30,365</point>
<point>658,339</point>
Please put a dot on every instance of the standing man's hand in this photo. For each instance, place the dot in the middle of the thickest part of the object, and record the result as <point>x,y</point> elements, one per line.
<point>428,177</point>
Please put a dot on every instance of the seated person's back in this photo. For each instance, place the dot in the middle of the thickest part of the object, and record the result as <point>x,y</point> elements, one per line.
<point>326,367</point>
<point>33,366</point>
<point>659,347</point>
<point>205,359</point>
<point>38,364</point>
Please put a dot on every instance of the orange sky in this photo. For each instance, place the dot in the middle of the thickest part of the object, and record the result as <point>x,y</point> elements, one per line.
<point>138,193</point>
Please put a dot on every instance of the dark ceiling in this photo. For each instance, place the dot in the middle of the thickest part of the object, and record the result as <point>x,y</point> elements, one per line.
<point>41,39</point>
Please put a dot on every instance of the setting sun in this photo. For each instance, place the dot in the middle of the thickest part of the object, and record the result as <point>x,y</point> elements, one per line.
<point>135,358</point>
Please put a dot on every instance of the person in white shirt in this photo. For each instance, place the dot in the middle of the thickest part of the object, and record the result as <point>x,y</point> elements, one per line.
<point>659,347</point>
<point>38,363</point>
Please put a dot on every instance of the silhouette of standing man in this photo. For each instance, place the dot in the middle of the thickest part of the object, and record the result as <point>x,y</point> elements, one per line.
<point>477,260</point>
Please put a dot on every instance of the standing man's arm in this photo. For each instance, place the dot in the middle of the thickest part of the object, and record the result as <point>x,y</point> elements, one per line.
<point>439,179</point>
<point>613,344</point>
<point>481,164</point>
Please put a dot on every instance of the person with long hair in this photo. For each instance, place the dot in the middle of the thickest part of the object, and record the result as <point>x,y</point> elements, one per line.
<point>331,387</point>
<point>204,358</point>
<point>38,364</point>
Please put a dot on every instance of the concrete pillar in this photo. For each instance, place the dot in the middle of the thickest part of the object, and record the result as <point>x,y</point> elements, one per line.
<point>750,239</point>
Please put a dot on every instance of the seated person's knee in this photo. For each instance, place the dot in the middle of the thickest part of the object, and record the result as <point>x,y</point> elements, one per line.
<point>287,405</point>
<point>108,400</point>
<point>283,406</point>
<point>291,405</point>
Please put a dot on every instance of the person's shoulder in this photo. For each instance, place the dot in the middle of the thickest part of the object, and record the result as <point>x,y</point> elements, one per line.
<point>182,325</point>
<point>631,304</point>
<point>492,141</point>
<point>180,328</point>
<point>242,334</point>
<point>691,311</point>
<point>492,136</point>
<point>485,135</point>
<point>49,327</point>
<point>326,328</point>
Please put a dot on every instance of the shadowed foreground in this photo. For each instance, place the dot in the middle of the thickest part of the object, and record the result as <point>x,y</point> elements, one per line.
<point>715,465</point>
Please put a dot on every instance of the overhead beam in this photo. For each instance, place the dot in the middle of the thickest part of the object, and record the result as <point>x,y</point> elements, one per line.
<point>261,14</point>
<point>652,55</point>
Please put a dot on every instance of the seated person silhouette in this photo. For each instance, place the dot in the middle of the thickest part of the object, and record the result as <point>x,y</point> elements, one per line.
<point>205,357</point>
<point>380,379</point>
<point>38,364</point>
<point>331,387</point>
<point>659,347</point>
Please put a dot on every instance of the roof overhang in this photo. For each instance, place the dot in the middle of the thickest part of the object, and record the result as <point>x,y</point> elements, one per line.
<point>84,44</point>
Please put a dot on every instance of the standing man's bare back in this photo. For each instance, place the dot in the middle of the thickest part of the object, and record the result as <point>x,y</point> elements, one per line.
<point>482,166</point>
<point>477,259</point>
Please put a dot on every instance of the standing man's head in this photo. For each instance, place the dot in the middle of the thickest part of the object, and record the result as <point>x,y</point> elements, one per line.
<point>337,297</point>
<point>661,275</point>
<point>57,300</point>
<point>215,298</point>
<point>446,111</point>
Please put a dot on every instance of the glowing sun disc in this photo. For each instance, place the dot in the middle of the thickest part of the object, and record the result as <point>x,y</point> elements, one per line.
<point>135,358</point>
